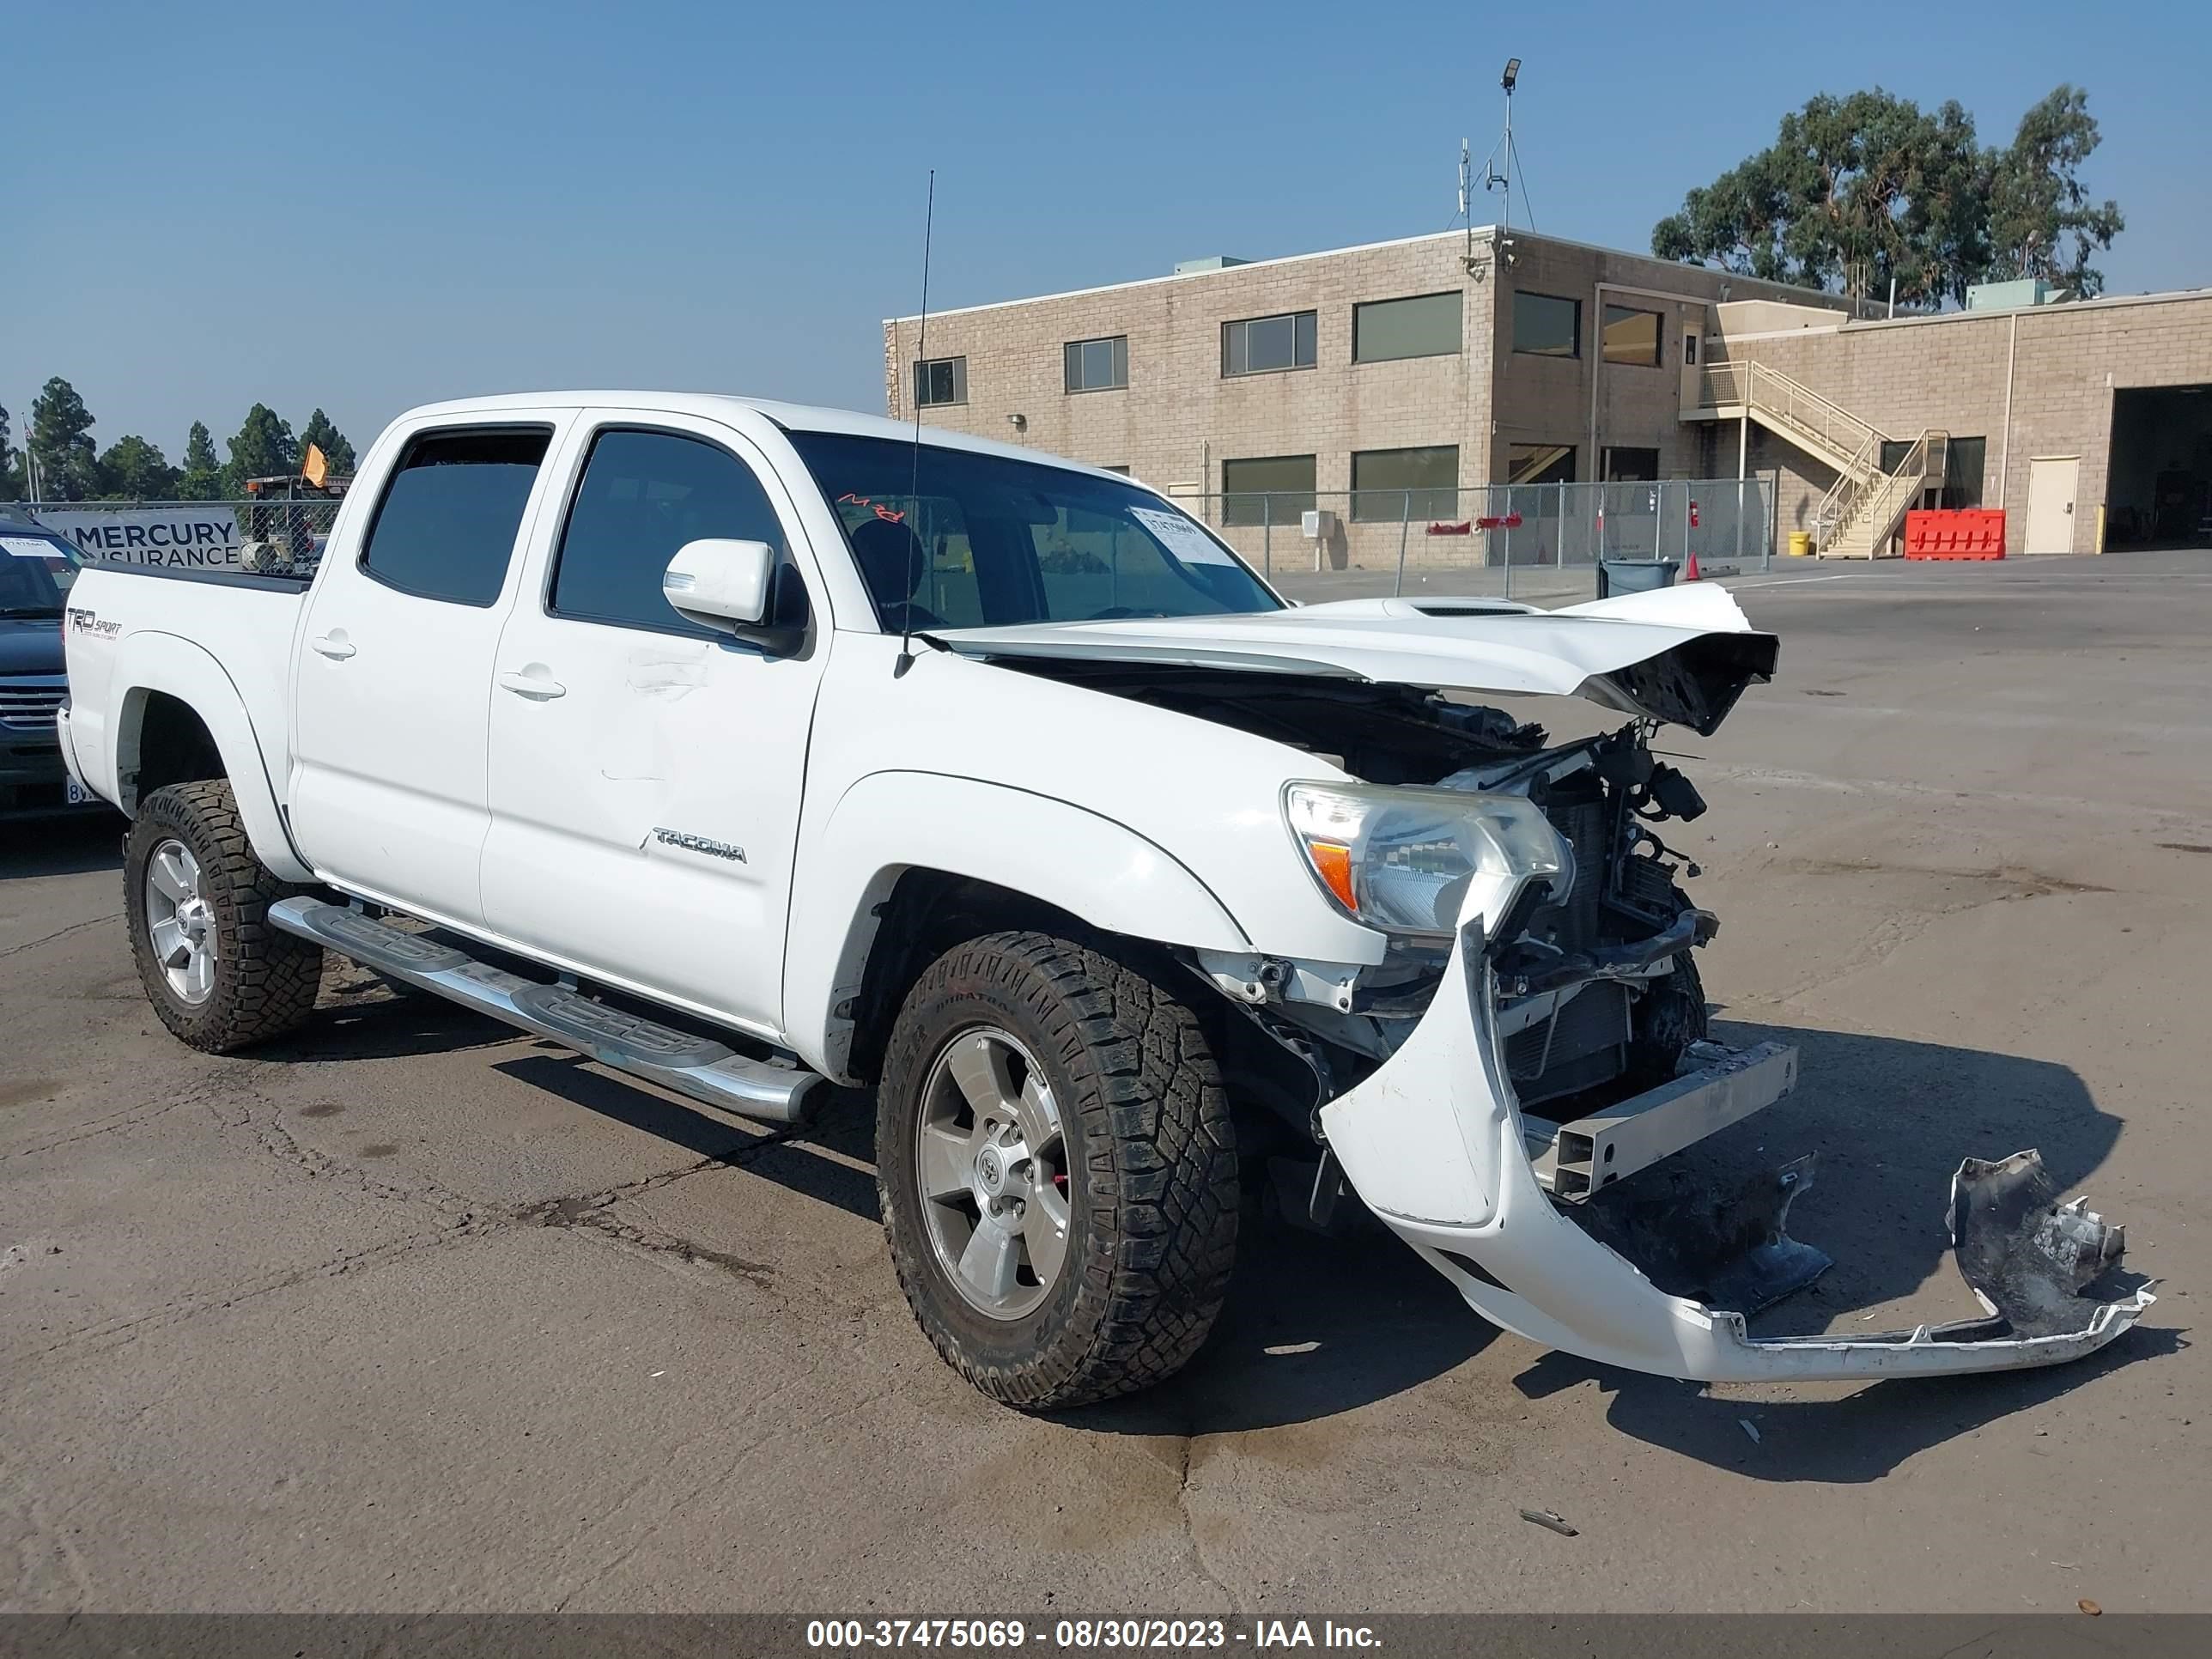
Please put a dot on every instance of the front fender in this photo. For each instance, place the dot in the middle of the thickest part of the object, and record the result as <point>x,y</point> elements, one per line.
<point>889,822</point>
<point>147,663</point>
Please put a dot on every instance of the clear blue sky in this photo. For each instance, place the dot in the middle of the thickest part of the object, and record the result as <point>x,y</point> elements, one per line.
<point>367,207</point>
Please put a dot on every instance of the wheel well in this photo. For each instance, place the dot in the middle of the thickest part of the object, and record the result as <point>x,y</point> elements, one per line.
<point>929,912</point>
<point>173,745</point>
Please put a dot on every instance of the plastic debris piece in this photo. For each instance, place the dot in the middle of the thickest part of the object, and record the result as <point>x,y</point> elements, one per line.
<point>1553,1520</point>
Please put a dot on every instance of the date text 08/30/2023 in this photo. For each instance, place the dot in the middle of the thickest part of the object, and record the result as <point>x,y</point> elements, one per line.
<point>853,1635</point>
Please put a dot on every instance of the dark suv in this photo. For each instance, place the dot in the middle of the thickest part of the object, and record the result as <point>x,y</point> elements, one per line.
<point>36,569</point>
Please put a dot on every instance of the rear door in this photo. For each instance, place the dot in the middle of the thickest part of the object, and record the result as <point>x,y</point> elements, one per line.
<point>645,772</point>
<point>393,681</point>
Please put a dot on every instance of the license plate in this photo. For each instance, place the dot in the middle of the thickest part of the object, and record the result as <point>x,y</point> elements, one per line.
<point>75,793</point>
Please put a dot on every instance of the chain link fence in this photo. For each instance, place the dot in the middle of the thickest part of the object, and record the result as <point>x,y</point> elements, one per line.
<point>1496,540</point>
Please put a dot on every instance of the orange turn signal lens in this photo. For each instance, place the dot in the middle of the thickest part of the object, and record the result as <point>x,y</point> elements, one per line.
<point>1333,864</point>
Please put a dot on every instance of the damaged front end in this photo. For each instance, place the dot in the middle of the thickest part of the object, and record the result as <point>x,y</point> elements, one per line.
<point>1535,1031</point>
<point>1446,1101</point>
<point>1484,1088</point>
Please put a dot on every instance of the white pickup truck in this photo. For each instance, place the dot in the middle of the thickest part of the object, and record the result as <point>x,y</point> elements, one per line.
<point>745,746</point>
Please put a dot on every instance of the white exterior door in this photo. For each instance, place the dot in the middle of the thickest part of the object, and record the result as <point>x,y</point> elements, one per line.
<point>2051,514</point>
<point>646,773</point>
<point>392,683</point>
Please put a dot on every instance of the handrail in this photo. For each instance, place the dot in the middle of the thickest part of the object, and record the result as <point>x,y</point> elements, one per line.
<point>1754,384</point>
<point>1847,501</point>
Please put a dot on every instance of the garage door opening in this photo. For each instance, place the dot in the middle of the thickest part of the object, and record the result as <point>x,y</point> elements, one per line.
<point>2161,492</point>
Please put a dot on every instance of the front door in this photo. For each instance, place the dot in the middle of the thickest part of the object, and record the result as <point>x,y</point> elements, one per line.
<point>645,772</point>
<point>392,683</point>
<point>2050,515</point>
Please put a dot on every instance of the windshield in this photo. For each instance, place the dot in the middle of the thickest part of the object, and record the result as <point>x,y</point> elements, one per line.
<point>34,573</point>
<point>988,542</point>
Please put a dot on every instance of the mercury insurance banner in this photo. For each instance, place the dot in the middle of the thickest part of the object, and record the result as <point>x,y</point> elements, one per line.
<point>191,536</point>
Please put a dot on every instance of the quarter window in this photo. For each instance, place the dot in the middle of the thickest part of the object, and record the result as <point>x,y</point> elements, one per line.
<point>1546,326</point>
<point>1631,336</point>
<point>446,527</point>
<point>642,496</point>
<point>1261,345</point>
<point>1427,325</point>
<point>1268,489</point>
<point>940,381</point>
<point>1096,365</point>
<point>1395,483</point>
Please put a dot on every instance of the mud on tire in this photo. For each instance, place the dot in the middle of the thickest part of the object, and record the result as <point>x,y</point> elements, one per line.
<point>1150,1161</point>
<point>264,981</point>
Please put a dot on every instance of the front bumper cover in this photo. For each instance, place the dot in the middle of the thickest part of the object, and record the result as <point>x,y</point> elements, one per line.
<point>1433,1143</point>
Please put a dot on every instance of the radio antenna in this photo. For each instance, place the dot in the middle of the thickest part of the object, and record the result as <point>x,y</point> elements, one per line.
<point>913,484</point>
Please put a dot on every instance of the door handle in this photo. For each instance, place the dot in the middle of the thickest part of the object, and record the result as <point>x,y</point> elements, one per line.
<point>333,645</point>
<point>541,686</point>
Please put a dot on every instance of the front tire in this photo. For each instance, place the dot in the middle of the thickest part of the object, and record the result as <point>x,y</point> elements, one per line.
<point>1057,1170</point>
<point>196,902</point>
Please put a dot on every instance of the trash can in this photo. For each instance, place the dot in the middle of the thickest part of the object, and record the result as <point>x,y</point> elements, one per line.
<point>1634,576</point>
<point>1800,543</point>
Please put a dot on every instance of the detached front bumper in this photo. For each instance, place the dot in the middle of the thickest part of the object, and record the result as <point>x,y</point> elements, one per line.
<point>1435,1145</point>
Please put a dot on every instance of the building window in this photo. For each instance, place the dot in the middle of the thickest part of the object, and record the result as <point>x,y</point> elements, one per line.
<point>1260,345</point>
<point>1625,465</point>
<point>940,381</point>
<point>1427,325</point>
<point>1271,489</point>
<point>1122,469</point>
<point>1631,336</point>
<point>1963,473</point>
<point>1394,483</point>
<point>1540,463</point>
<point>1096,365</point>
<point>1546,326</point>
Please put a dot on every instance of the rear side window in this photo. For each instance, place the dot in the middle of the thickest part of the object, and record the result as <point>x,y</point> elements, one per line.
<point>445,528</point>
<point>643,495</point>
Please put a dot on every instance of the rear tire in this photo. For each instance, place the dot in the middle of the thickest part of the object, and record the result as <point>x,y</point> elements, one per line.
<point>196,902</point>
<point>1045,1090</point>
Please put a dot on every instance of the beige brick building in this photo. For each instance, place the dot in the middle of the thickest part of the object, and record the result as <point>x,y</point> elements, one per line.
<point>1419,371</point>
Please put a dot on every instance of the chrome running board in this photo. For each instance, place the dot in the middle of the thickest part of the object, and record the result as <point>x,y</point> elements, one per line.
<point>708,1071</point>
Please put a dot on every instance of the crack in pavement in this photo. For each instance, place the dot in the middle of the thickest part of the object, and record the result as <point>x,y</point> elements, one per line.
<point>464,1219</point>
<point>59,933</point>
<point>1205,1570</point>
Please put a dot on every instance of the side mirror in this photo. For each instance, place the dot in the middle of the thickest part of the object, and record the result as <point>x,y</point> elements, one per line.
<point>721,584</point>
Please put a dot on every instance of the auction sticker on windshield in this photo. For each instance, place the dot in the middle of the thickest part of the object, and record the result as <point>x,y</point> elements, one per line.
<point>1181,537</point>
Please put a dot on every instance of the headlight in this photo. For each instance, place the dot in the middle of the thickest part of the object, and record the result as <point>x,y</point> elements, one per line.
<point>1402,860</point>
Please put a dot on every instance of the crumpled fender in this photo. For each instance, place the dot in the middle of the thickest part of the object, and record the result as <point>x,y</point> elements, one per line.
<point>1432,1144</point>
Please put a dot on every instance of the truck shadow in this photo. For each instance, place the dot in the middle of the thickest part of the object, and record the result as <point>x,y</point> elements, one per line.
<point>1315,1326</point>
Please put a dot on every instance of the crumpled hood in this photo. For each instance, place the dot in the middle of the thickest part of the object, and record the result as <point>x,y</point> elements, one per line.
<point>1681,654</point>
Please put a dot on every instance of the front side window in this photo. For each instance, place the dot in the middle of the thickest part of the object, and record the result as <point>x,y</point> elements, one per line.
<point>983,541</point>
<point>1267,489</point>
<point>446,527</point>
<point>1546,326</point>
<point>642,496</point>
<point>1096,365</point>
<point>940,381</point>
<point>1262,345</point>
<point>1631,336</point>
<point>1405,483</point>
<point>1427,325</point>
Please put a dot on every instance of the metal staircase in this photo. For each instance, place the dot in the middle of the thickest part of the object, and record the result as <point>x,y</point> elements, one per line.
<point>1867,501</point>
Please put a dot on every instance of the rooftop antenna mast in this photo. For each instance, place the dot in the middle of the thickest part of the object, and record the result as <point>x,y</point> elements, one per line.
<point>914,485</point>
<point>1494,177</point>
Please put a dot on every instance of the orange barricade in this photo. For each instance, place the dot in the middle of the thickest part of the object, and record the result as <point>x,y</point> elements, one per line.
<point>1975,532</point>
